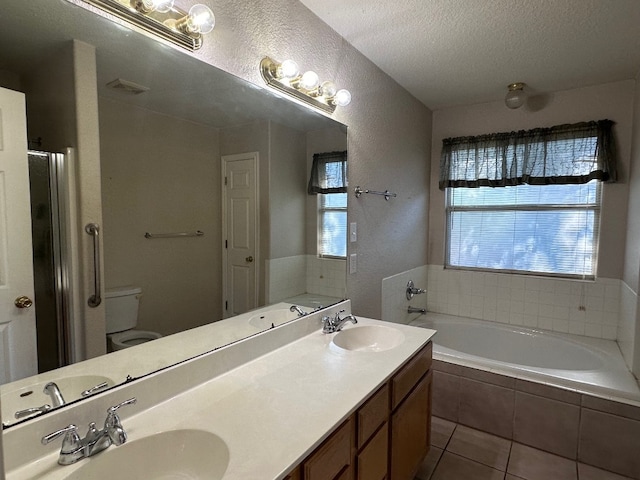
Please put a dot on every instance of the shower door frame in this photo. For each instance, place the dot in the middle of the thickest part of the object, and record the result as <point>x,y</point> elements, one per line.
<point>58,189</point>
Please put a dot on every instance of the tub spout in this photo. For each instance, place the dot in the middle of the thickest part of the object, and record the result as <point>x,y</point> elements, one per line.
<point>421,311</point>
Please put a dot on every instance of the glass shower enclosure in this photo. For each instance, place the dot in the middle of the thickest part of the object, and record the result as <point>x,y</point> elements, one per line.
<point>50,267</point>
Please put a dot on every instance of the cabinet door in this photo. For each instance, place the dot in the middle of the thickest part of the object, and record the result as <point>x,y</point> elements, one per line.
<point>410,431</point>
<point>332,460</point>
<point>372,460</point>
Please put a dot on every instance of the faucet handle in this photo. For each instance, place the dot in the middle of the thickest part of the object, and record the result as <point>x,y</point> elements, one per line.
<point>112,423</point>
<point>131,401</point>
<point>71,439</point>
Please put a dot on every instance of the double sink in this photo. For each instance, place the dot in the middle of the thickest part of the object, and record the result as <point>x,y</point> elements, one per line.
<point>181,449</point>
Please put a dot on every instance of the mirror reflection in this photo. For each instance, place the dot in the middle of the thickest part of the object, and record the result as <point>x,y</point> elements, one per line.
<point>203,186</point>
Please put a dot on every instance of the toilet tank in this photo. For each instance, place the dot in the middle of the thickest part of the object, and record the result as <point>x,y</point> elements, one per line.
<point>121,304</point>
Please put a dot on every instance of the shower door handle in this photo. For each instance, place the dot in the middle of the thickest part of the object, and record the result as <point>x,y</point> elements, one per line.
<point>94,230</point>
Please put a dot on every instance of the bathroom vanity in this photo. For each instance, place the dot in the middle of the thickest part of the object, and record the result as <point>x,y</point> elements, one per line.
<point>291,402</point>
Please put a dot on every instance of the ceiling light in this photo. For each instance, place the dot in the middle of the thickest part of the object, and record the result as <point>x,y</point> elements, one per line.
<point>516,96</point>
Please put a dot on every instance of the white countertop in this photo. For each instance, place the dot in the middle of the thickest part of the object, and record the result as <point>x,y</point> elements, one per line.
<point>271,411</point>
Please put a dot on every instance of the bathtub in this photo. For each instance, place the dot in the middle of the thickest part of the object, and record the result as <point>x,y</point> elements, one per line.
<point>583,364</point>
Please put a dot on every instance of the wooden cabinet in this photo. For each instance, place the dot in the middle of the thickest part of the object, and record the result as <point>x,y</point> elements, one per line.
<point>387,438</point>
<point>332,460</point>
<point>410,433</point>
<point>411,416</point>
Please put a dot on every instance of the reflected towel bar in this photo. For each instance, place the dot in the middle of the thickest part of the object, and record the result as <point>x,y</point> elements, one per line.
<point>387,194</point>
<point>197,233</point>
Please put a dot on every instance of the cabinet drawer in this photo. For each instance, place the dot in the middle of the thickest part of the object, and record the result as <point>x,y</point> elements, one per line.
<point>373,414</point>
<point>372,461</point>
<point>410,374</point>
<point>331,457</point>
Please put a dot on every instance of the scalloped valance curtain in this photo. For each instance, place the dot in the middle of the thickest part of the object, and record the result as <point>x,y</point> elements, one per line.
<point>328,173</point>
<point>565,154</point>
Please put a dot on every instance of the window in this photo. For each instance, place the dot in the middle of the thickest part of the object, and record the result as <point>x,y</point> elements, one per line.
<point>329,181</point>
<point>527,201</point>
<point>332,225</point>
<point>549,229</point>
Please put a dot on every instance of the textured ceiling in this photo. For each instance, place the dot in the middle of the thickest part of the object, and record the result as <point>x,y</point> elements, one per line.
<point>457,52</point>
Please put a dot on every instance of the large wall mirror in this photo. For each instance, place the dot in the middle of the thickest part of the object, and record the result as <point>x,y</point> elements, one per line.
<point>171,128</point>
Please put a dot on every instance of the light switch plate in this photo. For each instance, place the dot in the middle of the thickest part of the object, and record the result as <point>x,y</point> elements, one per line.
<point>353,263</point>
<point>353,232</point>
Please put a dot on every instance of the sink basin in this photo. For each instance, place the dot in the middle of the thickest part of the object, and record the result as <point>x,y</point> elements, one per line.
<point>33,396</point>
<point>273,317</point>
<point>171,455</point>
<point>368,338</point>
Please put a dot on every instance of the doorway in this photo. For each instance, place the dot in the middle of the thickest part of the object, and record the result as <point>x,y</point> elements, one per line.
<point>240,227</point>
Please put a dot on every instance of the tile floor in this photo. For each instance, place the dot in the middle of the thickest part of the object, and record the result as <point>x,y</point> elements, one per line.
<point>462,453</point>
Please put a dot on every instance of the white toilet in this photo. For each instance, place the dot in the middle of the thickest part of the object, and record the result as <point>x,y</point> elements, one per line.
<point>121,305</point>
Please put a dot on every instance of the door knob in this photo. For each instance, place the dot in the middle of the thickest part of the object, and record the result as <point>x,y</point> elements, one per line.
<point>23,302</point>
<point>249,259</point>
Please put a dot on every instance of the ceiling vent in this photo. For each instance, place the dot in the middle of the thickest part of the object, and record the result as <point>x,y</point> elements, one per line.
<point>125,86</point>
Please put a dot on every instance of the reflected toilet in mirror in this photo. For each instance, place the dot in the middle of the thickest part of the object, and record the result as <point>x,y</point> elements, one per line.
<point>122,317</point>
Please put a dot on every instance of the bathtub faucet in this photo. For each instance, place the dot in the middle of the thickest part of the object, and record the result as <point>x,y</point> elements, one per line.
<point>416,310</point>
<point>412,290</point>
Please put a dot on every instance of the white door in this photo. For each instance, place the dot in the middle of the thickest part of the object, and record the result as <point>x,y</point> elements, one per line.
<point>240,229</point>
<point>18,352</point>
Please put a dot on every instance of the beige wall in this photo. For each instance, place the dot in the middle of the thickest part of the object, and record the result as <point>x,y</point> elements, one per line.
<point>613,101</point>
<point>287,191</point>
<point>631,327</point>
<point>62,109</point>
<point>161,174</point>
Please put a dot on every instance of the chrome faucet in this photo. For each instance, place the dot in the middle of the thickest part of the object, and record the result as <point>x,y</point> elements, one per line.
<point>296,308</point>
<point>411,309</point>
<point>335,324</point>
<point>54,392</point>
<point>412,290</point>
<point>27,412</point>
<point>75,448</point>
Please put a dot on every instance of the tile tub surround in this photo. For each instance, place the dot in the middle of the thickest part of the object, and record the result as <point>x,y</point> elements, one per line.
<point>584,428</point>
<point>272,398</point>
<point>530,301</point>
<point>460,452</point>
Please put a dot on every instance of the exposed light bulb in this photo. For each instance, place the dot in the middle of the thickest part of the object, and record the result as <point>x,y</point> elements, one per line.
<point>342,98</point>
<point>309,80</point>
<point>288,70</point>
<point>148,6</point>
<point>516,96</point>
<point>200,19</point>
<point>328,89</point>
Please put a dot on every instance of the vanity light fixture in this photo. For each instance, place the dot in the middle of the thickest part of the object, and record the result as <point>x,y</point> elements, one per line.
<point>306,87</point>
<point>163,19</point>
<point>516,96</point>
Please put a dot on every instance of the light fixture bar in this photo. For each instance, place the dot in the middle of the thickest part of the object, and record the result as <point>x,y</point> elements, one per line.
<point>268,69</point>
<point>149,24</point>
